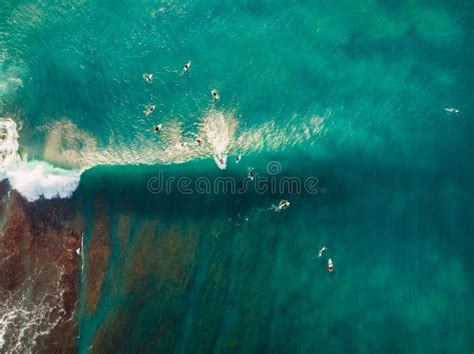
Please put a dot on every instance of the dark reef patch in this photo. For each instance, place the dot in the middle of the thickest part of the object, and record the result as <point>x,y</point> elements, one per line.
<point>39,273</point>
<point>98,255</point>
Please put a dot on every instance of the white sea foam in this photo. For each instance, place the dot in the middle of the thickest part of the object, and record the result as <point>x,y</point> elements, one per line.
<point>26,317</point>
<point>219,130</point>
<point>32,179</point>
<point>68,145</point>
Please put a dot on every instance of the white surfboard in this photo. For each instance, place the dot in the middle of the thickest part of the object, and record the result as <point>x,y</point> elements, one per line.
<point>221,161</point>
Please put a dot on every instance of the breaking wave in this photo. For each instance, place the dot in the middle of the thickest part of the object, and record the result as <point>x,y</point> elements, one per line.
<point>32,179</point>
<point>220,133</point>
<point>68,146</point>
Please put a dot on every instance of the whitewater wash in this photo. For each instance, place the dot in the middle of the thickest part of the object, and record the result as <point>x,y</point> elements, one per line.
<point>32,179</point>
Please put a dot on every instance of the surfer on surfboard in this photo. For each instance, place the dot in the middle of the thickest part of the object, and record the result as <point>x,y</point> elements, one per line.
<point>149,109</point>
<point>221,161</point>
<point>330,266</point>
<point>187,66</point>
<point>251,173</point>
<point>148,78</point>
<point>282,205</point>
<point>321,251</point>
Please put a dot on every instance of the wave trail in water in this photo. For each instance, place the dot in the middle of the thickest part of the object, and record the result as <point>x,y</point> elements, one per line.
<point>220,134</point>
<point>219,131</point>
<point>70,147</point>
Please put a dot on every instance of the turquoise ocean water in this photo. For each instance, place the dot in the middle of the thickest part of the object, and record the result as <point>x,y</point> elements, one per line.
<point>351,92</point>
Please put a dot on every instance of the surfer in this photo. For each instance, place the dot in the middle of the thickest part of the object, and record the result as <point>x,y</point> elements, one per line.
<point>321,251</point>
<point>158,127</point>
<point>251,173</point>
<point>283,205</point>
<point>187,66</point>
<point>199,140</point>
<point>452,110</point>
<point>148,78</point>
<point>215,94</point>
<point>221,160</point>
<point>238,158</point>
<point>149,109</point>
<point>330,265</point>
